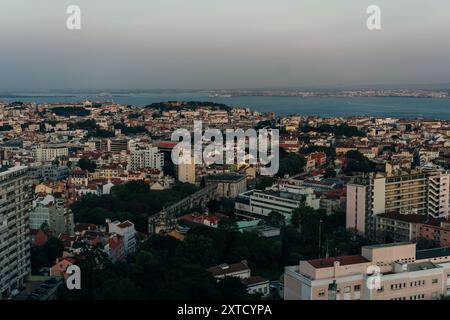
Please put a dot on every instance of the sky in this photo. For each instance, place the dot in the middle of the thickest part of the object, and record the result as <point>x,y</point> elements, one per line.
<point>222,44</point>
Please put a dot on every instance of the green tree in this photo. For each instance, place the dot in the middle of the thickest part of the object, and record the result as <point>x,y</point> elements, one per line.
<point>232,288</point>
<point>228,224</point>
<point>198,249</point>
<point>291,164</point>
<point>264,181</point>
<point>329,173</point>
<point>275,219</point>
<point>86,164</point>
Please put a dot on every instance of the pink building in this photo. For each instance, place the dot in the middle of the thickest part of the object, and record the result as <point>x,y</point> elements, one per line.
<point>381,272</point>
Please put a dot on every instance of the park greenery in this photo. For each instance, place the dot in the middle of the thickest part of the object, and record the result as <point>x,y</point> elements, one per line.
<point>163,269</point>
<point>337,130</point>
<point>166,268</point>
<point>86,164</point>
<point>132,201</point>
<point>290,164</point>
<point>357,162</point>
<point>45,256</point>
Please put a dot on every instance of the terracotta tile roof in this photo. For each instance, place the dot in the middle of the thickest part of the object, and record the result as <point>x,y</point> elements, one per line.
<point>254,280</point>
<point>125,224</point>
<point>225,269</point>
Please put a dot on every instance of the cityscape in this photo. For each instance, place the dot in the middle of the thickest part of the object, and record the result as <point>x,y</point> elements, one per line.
<point>93,185</point>
<point>224,159</point>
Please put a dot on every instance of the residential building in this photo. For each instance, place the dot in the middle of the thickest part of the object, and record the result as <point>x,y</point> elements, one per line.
<point>381,272</point>
<point>257,285</point>
<point>115,248</point>
<point>127,231</point>
<point>416,191</point>
<point>239,269</point>
<point>408,227</point>
<point>254,284</point>
<point>50,152</point>
<point>48,171</point>
<point>15,203</point>
<point>149,157</point>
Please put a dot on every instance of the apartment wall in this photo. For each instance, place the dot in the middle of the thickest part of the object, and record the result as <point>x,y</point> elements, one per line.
<point>385,254</point>
<point>356,207</point>
<point>379,195</point>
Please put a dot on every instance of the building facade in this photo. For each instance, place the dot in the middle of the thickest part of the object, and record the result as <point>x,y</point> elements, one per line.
<point>146,158</point>
<point>228,185</point>
<point>186,172</point>
<point>260,203</point>
<point>382,272</point>
<point>127,231</point>
<point>47,153</point>
<point>423,192</point>
<point>15,203</point>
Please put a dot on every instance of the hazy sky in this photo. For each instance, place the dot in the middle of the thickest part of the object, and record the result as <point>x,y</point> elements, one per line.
<point>146,44</point>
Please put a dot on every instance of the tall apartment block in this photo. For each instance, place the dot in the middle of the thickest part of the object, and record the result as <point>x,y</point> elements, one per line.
<point>15,203</point>
<point>393,271</point>
<point>423,192</point>
<point>186,172</point>
<point>149,157</point>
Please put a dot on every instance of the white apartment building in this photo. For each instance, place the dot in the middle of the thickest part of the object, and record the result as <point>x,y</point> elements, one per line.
<point>416,191</point>
<point>149,157</point>
<point>15,202</point>
<point>308,193</point>
<point>381,272</point>
<point>127,231</point>
<point>47,153</point>
<point>259,203</point>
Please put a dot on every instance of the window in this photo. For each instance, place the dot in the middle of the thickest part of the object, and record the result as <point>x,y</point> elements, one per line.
<point>346,289</point>
<point>357,288</point>
<point>434,281</point>
<point>380,289</point>
<point>321,293</point>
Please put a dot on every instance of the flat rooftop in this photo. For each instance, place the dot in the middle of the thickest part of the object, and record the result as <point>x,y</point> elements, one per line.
<point>343,261</point>
<point>12,170</point>
<point>421,266</point>
<point>387,245</point>
<point>432,253</point>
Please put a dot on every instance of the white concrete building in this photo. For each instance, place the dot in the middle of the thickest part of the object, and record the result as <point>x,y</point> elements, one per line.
<point>127,231</point>
<point>149,157</point>
<point>47,153</point>
<point>258,203</point>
